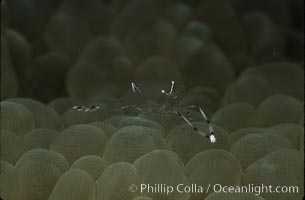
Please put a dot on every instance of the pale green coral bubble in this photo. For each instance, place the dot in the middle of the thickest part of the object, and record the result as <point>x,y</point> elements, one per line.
<point>75,184</point>
<point>62,104</point>
<point>93,165</point>
<point>275,164</point>
<point>206,65</point>
<point>248,89</point>
<point>235,116</point>
<point>140,121</point>
<point>80,140</point>
<point>40,138</point>
<point>108,129</point>
<point>162,167</point>
<point>249,148</point>
<point>252,147</point>
<point>186,142</point>
<point>9,185</point>
<point>131,142</point>
<point>278,76</point>
<point>44,116</point>
<point>115,181</point>
<point>12,146</point>
<point>279,109</point>
<point>276,169</point>
<point>16,117</point>
<point>38,171</point>
<point>236,135</point>
<point>211,167</point>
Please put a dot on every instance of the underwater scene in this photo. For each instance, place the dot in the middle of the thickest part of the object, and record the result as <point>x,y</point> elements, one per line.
<point>152,100</point>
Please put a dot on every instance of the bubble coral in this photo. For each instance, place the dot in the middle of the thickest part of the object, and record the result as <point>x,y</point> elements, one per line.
<point>131,142</point>
<point>213,166</point>
<point>162,166</point>
<point>38,171</point>
<point>62,104</point>
<point>252,147</point>
<point>108,129</point>
<point>248,89</point>
<point>279,109</point>
<point>226,28</point>
<point>206,65</point>
<point>278,76</point>
<point>9,185</point>
<point>80,140</point>
<point>157,68</point>
<point>16,117</point>
<point>75,184</point>
<point>44,116</point>
<point>276,169</point>
<point>186,142</point>
<point>275,163</point>
<point>93,165</point>
<point>235,116</point>
<point>140,121</point>
<point>12,146</point>
<point>236,135</point>
<point>115,181</point>
<point>293,132</point>
<point>40,138</point>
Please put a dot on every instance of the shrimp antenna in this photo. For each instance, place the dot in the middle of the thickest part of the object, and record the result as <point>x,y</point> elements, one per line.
<point>135,88</point>
<point>171,90</point>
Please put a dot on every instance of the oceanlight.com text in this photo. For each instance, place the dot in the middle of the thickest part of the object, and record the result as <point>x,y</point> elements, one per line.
<point>217,188</point>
